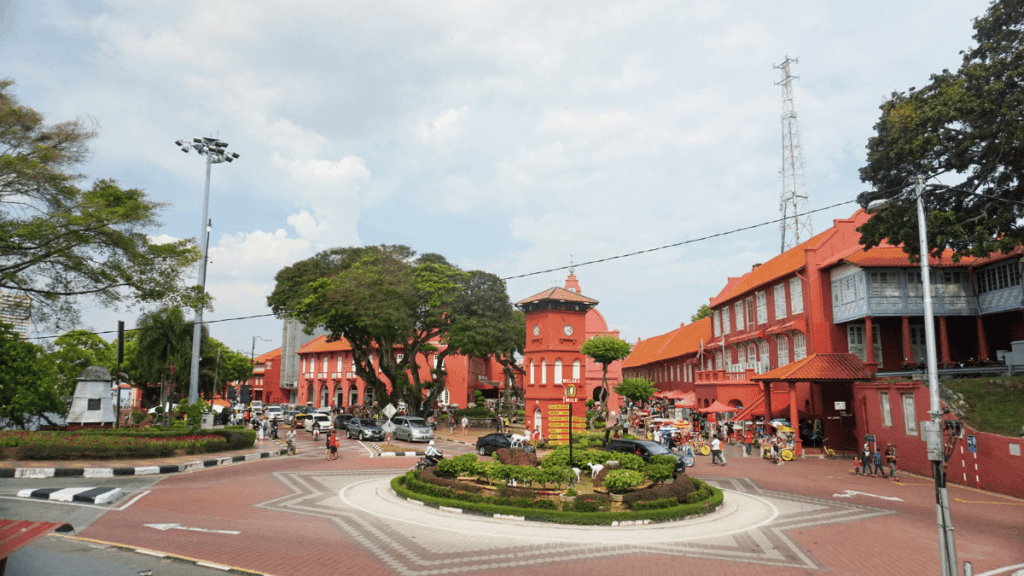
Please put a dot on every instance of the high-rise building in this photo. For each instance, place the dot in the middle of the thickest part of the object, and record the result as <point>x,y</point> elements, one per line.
<point>14,310</point>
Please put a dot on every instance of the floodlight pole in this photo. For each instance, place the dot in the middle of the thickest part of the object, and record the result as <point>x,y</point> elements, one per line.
<point>215,153</point>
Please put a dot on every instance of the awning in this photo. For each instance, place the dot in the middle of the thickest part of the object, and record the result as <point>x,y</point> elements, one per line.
<point>717,407</point>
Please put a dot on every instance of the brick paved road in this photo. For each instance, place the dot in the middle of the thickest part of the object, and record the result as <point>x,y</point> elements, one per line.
<point>303,515</point>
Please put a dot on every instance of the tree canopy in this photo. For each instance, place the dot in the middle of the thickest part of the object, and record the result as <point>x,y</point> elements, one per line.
<point>703,312</point>
<point>408,310</point>
<point>605,349</point>
<point>965,127</point>
<point>29,385</point>
<point>77,350</point>
<point>636,389</point>
<point>60,240</point>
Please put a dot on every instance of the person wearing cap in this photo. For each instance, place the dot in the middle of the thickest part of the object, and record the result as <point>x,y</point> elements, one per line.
<point>432,450</point>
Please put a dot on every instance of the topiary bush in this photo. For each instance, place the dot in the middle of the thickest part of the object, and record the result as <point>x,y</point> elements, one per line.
<point>619,481</point>
<point>516,457</point>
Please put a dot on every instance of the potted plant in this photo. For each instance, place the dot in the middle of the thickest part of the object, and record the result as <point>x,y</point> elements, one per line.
<point>570,495</point>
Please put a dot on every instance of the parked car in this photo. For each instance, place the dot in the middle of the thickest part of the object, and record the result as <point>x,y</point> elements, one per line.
<point>412,429</point>
<point>341,421</point>
<point>275,412</point>
<point>289,416</point>
<point>486,445</point>
<point>299,420</point>
<point>257,407</point>
<point>364,429</point>
<point>326,424</point>
<point>644,449</point>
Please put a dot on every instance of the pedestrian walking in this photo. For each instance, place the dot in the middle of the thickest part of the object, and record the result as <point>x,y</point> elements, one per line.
<point>865,460</point>
<point>465,426</point>
<point>890,459</point>
<point>877,462</point>
<point>716,450</point>
<point>451,423</point>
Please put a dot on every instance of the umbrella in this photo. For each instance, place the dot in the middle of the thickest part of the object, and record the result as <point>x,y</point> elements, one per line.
<point>716,407</point>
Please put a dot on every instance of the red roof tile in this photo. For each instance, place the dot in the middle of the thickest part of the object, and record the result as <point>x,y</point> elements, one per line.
<point>557,293</point>
<point>683,340</point>
<point>818,367</point>
<point>268,356</point>
<point>782,265</point>
<point>320,344</point>
<point>889,256</point>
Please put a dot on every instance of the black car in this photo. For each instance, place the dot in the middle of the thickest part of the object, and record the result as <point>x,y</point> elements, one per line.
<point>644,449</point>
<point>364,429</point>
<point>341,421</point>
<point>486,445</point>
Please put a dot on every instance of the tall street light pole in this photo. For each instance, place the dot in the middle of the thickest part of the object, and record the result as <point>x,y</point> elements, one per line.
<point>931,431</point>
<point>252,359</point>
<point>215,152</point>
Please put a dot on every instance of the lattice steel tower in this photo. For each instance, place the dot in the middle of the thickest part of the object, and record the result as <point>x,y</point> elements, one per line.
<point>796,225</point>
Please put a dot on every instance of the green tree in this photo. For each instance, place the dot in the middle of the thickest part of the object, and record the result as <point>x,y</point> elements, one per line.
<point>163,338</point>
<point>386,301</point>
<point>604,350</point>
<point>60,241</point>
<point>75,351</point>
<point>703,312</point>
<point>636,389</point>
<point>29,384</point>
<point>965,127</point>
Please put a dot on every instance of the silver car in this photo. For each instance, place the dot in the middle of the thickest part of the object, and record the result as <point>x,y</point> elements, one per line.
<point>412,429</point>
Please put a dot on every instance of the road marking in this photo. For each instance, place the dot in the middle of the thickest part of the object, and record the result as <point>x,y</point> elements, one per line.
<point>1001,570</point>
<point>166,527</point>
<point>987,502</point>
<point>852,493</point>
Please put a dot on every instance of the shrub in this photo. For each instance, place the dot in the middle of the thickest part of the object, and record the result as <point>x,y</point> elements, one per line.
<point>589,503</point>
<point>619,481</point>
<point>571,492</point>
<point>659,472</point>
<point>653,504</point>
<point>516,457</point>
<point>630,462</point>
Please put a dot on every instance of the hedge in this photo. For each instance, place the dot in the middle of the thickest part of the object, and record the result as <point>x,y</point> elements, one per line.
<point>402,486</point>
<point>120,443</point>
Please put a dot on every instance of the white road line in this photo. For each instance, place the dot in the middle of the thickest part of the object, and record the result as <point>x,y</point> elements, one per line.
<point>133,500</point>
<point>852,493</point>
<point>1001,570</point>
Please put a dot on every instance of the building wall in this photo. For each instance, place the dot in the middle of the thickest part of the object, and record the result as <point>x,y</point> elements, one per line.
<point>995,466</point>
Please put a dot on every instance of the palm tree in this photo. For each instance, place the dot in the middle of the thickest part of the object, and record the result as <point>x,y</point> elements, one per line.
<point>163,339</point>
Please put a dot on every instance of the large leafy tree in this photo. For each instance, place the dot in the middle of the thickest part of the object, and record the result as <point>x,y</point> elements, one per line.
<point>77,350</point>
<point>636,389</point>
<point>404,309</point>
<point>605,349</point>
<point>60,240</point>
<point>29,383</point>
<point>965,128</point>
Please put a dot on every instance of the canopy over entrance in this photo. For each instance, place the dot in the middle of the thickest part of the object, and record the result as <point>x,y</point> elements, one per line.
<point>717,407</point>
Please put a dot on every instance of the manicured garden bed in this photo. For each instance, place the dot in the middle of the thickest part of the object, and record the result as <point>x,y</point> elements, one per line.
<point>623,490</point>
<point>121,443</point>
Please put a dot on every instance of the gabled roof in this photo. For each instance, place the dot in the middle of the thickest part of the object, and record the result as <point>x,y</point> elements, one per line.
<point>559,294</point>
<point>817,367</point>
<point>320,344</point>
<point>683,340</point>
<point>268,356</point>
<point>782,265</point>
<point>889,256</point>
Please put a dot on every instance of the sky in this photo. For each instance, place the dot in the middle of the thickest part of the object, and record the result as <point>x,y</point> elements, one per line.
<point>512,137</point>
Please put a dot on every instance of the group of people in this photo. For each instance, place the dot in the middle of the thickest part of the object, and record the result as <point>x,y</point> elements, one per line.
<point>871,463</point>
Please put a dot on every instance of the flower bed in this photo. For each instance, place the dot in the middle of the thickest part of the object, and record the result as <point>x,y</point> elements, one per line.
<point>587,509</point>
<point>120,443</point>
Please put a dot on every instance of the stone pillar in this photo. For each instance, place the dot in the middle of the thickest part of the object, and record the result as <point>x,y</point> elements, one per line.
<point>794,421</point>
<point>908,349</point>
<point>943,341</point>
<point>982,342</point>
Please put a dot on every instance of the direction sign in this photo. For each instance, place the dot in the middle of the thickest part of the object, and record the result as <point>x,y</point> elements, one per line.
<point>570,391</point>
<point>390,411</point>
<point>570,400</point>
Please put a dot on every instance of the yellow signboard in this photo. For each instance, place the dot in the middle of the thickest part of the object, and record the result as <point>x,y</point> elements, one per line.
<point>558,419</point>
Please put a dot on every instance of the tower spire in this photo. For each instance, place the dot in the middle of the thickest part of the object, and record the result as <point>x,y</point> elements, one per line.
<point>796,225</point>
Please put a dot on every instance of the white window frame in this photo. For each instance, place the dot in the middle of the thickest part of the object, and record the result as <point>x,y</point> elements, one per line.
<point>909,408</point>
<point>799,346</point>
<point>716,323</point>
<point>575,369</point>
<point>796,296</point>
<point>718,360</point>
<point>544,371</point>
<point>558,371</point>
<point>883,397</point>
<point>780,301</point>
<point>762,307</point>
<point>726,323</point>
<point>782,349</point>
<point>325,364</point>
<point>740,319</point>
<point>750,314</point>
<point>340,364</point>
<point>533,372</point>
<point>741,355</point>
<point>763,360</point>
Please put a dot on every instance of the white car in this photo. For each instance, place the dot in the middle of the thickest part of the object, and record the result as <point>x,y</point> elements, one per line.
<point>257,407</point>
<point>326,424</point>
<point>275,413</point>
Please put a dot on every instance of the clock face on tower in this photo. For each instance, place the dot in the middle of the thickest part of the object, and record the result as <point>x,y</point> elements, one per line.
<point>567,329</point>
<point>536,330</point>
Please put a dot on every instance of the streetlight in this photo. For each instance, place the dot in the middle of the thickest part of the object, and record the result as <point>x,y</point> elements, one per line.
<point>215,152</point>
<point>931,431</point>
<point>252,358</point>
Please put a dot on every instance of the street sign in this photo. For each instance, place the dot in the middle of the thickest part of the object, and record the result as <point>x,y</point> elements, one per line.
<point>570,400</point>
<point>972,443</point>
<point>570,392</point>
<point>869,437</point>
<point>390,411</point>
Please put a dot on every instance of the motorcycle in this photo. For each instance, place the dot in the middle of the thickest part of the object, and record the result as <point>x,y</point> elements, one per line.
<point>429,461</point>
<point>273,430</point>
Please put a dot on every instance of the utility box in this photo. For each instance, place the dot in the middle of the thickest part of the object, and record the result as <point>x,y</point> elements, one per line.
<point>206,422</point>
<point>93,403</point>
<point>931,433</point>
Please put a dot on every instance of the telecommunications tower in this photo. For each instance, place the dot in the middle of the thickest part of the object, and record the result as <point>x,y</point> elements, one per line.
<point>796,225</point>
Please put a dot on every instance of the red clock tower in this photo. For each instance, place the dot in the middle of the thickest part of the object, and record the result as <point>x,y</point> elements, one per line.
<point>555,368</point>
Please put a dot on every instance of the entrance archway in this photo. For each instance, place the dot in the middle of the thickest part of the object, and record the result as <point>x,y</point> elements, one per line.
<point>310,394</point>
<point>353,396</point>
<point>538,421</point>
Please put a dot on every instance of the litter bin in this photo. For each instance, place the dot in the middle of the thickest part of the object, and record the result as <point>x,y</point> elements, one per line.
<point>207,421</point>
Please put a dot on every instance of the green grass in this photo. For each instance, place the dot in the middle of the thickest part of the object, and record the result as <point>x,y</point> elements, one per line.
<point>994,405</point>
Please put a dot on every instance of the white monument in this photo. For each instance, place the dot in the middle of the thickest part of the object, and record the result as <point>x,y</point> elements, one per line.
<point>93,403</point>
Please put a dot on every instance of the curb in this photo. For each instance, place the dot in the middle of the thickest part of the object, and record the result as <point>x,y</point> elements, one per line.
<point>134,470</point>
<point>381,454</point>
<point>171,557</point>
<point>88,494</point>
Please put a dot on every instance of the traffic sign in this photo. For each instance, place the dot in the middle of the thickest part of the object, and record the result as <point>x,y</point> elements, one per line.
<point>570,400</point>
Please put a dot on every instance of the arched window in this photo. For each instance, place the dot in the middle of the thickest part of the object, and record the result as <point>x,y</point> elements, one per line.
<point>782,348</point>
<point>533,370</point>
<point>799,346</point>
<point>558,371</point>
<point>543,371</point>
<point>575,369</point>
<point>340,365</point>
<point>325,364</point>
<point>741,355</point>
<point>718,360</point>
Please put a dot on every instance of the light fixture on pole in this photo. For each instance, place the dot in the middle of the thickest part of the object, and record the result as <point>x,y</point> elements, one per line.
<point>215,152</point>
<point>931,431</point>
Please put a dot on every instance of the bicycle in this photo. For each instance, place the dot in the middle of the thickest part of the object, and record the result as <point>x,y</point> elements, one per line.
<point>826,451</point>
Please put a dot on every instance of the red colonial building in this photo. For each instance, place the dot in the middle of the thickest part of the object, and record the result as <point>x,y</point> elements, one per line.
<point>327,377</point>
<point>828,328</point>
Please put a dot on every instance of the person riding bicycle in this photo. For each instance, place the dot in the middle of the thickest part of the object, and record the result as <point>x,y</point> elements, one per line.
<point>290,439</point>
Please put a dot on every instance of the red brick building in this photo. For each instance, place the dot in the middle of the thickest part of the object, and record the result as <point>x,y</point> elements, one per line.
<point>327,377</point>
<point>820,324</point>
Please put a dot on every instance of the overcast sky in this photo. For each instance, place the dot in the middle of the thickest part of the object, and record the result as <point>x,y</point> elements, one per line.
<point>510,137</point>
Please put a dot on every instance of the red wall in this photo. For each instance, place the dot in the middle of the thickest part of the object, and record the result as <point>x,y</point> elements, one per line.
<point>992,467</point>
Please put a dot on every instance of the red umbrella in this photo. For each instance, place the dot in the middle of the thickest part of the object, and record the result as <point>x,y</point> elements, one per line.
<point>717,407</point>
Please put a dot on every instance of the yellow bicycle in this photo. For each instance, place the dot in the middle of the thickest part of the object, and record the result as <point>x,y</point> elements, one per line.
<point>826,451</point>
